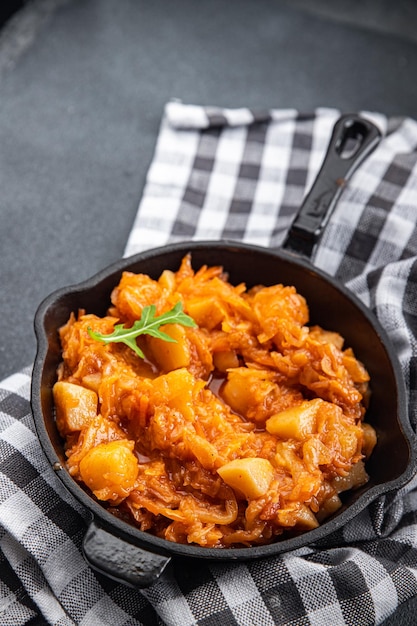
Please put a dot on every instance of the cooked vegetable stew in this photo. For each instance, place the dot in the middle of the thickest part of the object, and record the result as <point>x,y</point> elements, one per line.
<point>232,428</point>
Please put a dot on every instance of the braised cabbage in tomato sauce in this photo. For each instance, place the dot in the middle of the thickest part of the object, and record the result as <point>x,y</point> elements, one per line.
<point>243,429</point>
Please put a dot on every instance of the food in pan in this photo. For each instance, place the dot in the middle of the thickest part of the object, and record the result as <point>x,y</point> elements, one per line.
<point>209,413</point>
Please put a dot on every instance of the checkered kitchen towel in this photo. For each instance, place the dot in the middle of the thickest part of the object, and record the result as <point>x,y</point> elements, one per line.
<point>241,175</point>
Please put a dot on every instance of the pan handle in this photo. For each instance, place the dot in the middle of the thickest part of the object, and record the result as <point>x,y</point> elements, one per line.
<point>352,140</point>
<point>120,560</point>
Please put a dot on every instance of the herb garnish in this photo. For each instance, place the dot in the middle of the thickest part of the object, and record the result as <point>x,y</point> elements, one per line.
<point>147,325</point>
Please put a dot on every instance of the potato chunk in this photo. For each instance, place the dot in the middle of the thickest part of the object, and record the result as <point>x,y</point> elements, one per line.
<point>206,312</point>
<point>178,390</point>
<point>247,391</point>
<point>75,406</point>
<point>171,356</point>
<point>297,422</point>
<point>250,477</point>
<point>110,470</point>
<point>225,360</point>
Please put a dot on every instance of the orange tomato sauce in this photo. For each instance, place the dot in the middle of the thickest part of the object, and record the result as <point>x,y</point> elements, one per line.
<point>247,429</point>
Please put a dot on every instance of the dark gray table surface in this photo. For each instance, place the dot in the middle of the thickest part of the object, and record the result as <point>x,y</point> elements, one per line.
<point>82,90</point>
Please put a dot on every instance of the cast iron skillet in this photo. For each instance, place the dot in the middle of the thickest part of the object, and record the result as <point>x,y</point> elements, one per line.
<point>136,558</point>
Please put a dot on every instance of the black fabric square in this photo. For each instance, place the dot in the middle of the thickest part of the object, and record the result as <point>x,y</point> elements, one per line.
<point>261,115</point>
<point>268,573</point>
<point>15,406</point>
<point>183,229</point>
<point>379,202</point>
<point>65,517</point>
<point>194,197</point>
<point>249,170</point>
<point>405,583</point>
<point>242,207</point>
<point>397,174</point>
<point>348,580</point>
<point>216,119</point>
<point>413,373</point>
<point>356,608</point>
<point>191,574</point>
<point>208,143</point>
<point>302,141</point>
<point>257,132</point>
<point>16,467</point>
<point>133,602</point>
<point>297,176</point>
<point>203,163</point>
<point>284,603</point>
<point>362,246</point>
<point>366,236</point>
<point>199,585</point>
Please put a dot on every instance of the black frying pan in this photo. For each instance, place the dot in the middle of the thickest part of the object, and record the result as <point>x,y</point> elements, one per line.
<point>134,557</point>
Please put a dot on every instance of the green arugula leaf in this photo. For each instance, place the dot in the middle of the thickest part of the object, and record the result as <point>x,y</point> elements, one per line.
<point>147,325</point>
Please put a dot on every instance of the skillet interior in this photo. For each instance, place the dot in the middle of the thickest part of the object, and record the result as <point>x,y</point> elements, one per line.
<point>393,461</point>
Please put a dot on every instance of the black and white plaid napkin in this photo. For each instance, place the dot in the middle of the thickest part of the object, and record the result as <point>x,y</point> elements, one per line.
<point>237,174</point>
